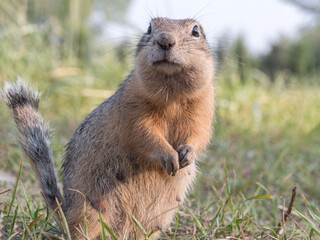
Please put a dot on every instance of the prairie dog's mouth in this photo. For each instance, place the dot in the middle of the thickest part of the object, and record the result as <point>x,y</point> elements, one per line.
<point>167,66</point>
<point>165,61</point>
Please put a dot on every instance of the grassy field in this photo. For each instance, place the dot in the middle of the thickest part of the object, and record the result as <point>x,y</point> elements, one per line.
<point>266,142</point>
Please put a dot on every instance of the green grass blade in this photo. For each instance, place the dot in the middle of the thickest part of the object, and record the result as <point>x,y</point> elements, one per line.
<point>311,233</point>
<point>12,236</point>
<point>105,226</point>
<point>14,220</point>
<point>103,234</point>
<point>215,219</point>
<point>64,221</point>
<point>152,232</point>
<point>13,195</point>
<point>313,215</point>
<point>136,222</point>
<point>33,223</point>
<point>228,186</point>
<point>261,197</point>
<point>197,222</point>
<point>312,225</point>
<point>84,218</point>
<point>27,230</point>
<point>47,220</point>
<point>274,207</point>
<point>272,231</point>
<point>176,226</point>
<point>110,231</point>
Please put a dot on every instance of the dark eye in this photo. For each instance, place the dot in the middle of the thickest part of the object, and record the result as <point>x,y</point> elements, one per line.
<point>149,29</point>
<point>195,31</point>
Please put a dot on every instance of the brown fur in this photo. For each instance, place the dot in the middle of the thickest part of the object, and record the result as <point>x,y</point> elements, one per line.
<point>145,122</point>
<point>134,154</point>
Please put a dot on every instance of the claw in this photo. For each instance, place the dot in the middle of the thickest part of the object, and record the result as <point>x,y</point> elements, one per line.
<point>186,155</point>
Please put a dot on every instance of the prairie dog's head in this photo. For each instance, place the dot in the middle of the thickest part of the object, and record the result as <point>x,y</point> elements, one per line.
<point>174,54</point>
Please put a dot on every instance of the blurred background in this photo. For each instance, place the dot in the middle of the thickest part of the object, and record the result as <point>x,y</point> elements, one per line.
<point>267,128</point>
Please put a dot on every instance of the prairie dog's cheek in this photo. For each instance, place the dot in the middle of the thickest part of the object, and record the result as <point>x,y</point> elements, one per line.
<point>187,59</point>
<point>146,56</point>
<point>150,56</point>
<point>142,58</point>
<point>199,59</point>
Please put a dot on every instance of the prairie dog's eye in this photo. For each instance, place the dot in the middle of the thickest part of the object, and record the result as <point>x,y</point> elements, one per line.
<point>196,31</point>
<point>149,29</point>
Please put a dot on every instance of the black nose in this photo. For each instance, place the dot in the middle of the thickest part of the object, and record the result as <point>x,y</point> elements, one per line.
<point>166,40</point>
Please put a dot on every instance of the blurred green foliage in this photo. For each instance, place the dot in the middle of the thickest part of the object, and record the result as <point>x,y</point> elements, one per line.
<point>52,44</point>
<point>39,37</point>
<point>299,57</point>
<point>289,60</point>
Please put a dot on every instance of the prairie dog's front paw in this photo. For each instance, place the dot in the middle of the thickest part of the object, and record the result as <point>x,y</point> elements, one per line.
<point>186,155</point>
<point>170,163</point>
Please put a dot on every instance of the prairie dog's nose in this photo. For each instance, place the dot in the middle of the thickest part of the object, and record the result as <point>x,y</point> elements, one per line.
<point>166,40</point>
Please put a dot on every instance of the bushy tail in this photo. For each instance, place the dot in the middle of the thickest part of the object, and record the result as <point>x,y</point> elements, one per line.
<point>34,136</point>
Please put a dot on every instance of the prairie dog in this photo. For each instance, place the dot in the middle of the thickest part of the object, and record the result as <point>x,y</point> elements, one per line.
<point>135,153</point>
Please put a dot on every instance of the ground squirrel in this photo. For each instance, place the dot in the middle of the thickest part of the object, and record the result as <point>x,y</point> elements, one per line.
<point>135,153</point>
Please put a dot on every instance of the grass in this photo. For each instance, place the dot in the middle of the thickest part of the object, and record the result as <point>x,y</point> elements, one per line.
<point>266,142</point>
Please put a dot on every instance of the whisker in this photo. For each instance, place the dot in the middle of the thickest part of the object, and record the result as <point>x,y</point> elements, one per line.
<point>202,9</point>
<point>148,10</point>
